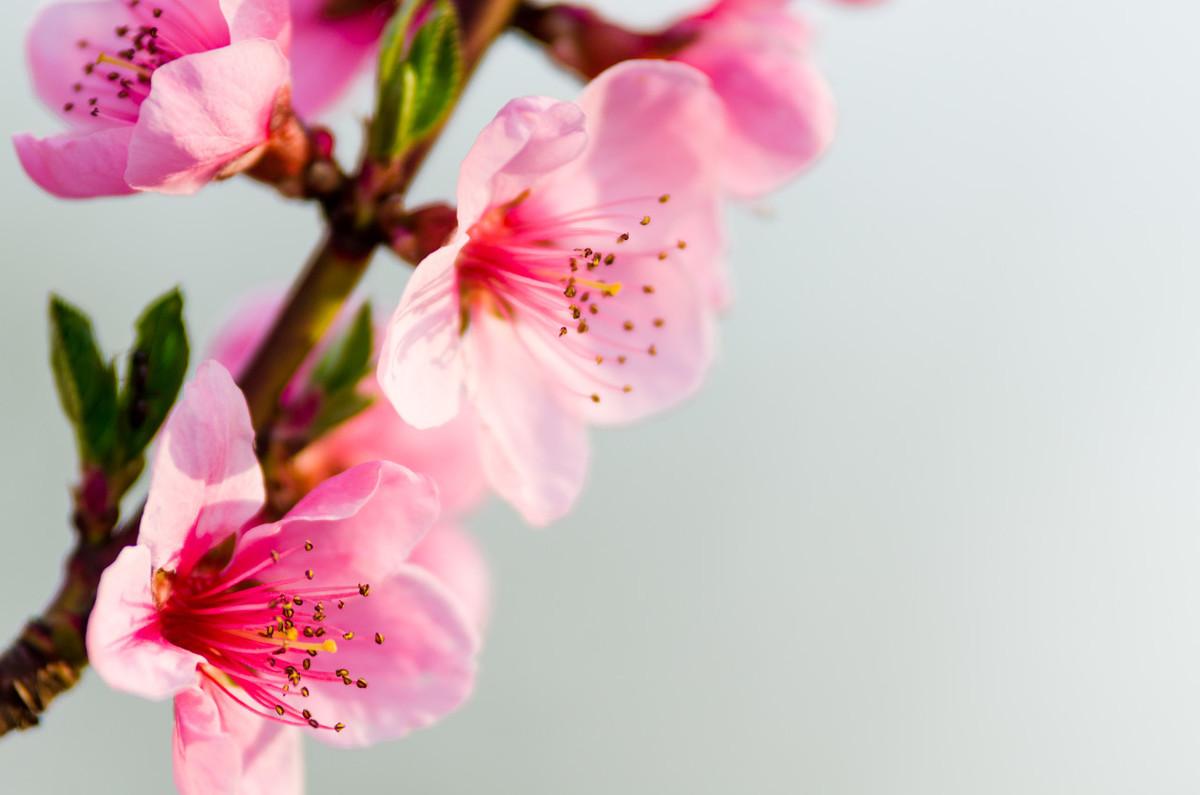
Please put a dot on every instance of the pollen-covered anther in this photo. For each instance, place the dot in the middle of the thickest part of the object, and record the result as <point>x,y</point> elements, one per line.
<point>338,727</point>
<point>361,684</point>
<point>627,325</point>
<point>309,574</point>
<point>348,635</point>
<point>666,197</point>
<point>379,638</point>
<point>308,546</point>
<point>562,332</point>
<point>645,220</point>
<point>595,398</point>
<point>364,589</point>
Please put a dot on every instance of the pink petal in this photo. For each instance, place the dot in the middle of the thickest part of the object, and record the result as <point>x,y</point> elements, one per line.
<point>779,112</point>
<point>259,19</point>
<point>454,558</point>
<point>682,345</point>
<point>449,453</point>
<point>626,156</point>
<point>222,748</point>
<point>327,55</point>
<point>123,639</point>
<point>205,111</point>
<point>423,670</point>
<point>420,367</point>
<point>205,482</point>
<point>529,137</point>
<point>534,450</point>
<point>78,165</point>
<point>56,62</point>
<point>363,524</point>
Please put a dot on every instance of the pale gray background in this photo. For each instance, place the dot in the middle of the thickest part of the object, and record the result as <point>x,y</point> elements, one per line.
<point>932,528</point>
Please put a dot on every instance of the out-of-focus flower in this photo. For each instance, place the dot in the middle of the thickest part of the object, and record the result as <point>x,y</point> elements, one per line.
<point>776,107</point>
<point>159,95</point>
<point>317,620</point>
<point>448,454</point>
<point>333,43</point>
<point>580,285</point>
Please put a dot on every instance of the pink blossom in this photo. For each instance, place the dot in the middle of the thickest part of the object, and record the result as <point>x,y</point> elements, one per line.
<point>448,454</point>
<point>580,284</point>
<point>777,108</point>
<point>158,95</point>
<point>330,47</point>
<point>317,620</point>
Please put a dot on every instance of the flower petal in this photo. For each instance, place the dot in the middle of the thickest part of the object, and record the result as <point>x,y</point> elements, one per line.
<point>259,19</point>
<point>222,748</point>
<point>362,523</point>
<point>454,558</point>
<point>420,367</point>
<point>123,639</point>
<point>205,111</point>
<point>534,450</point>
<point>530,137</point>
<point>57,60</point>
<point>205,481</point>
<point>449,453</point>
<point>627,155</point>
<point>424,669</point>
<point>78,165</point>
<point>779,112</point>
<point>328,54</point>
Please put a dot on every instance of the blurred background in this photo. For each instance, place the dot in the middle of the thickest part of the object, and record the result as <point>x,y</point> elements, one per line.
<point>932,527</point>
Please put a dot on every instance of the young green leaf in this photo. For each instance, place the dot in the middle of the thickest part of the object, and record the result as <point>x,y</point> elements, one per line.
<point>419,75</point>
<point>87,384</point>
<point>155,371</point>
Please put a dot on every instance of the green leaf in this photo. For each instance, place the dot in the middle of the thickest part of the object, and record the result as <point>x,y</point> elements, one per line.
<point>419,76</point>
<point>87,384</point>
<point>348,359</point>
<point>336,409</point>
<point>154,373</point>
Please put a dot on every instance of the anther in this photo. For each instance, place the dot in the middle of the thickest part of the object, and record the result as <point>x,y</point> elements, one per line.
<point>342,672</point>
<point>337,727</point>
<point>308,546</point>
<point>658,322</point>
<point>306,714</point>
<point>361,684</point>
<point>304,692</point>
<point>274,556</point>
<point>645,220</point>
<point>595,398</point>
<point>623,237</point>
<point>681,245</point>
<point>648,289</point>
<point>562,332</point>
<point>364,589</point>
<point>627,389</point>
<point>313,722</point>
<point>653,351</point>
<point>627,325</point>
<point>610,259</point>
<point>279,710</point>
<point>379,638</point>
<point>666,197</point>
<point>309,574</point>
<point>348,636</point>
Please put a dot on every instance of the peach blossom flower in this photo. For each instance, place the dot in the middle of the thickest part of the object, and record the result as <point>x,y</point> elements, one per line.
<point>317,621</point>
<point>579,287</point>
<point>159,95</point>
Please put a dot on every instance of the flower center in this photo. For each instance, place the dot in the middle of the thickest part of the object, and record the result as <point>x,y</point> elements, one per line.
<point>266,642</point>
<point>117,65</point>
<point>585,278</point>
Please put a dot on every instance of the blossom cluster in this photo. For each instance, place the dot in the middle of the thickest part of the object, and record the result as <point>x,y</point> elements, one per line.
<point>577,281</point>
